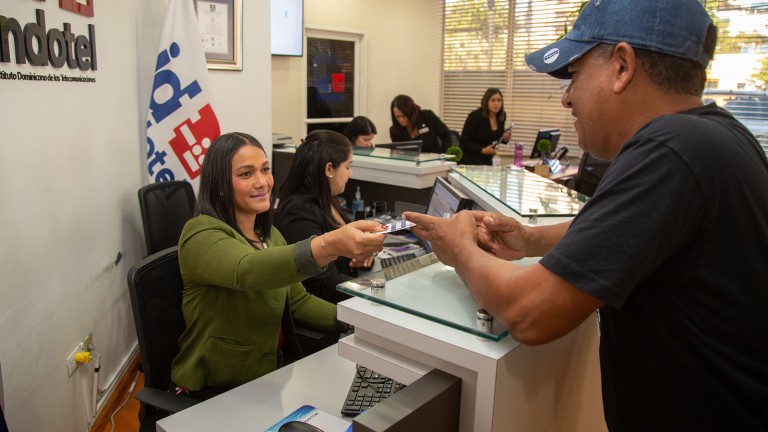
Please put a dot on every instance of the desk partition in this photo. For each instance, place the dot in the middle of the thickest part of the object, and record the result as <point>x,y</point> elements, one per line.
<point>518,193</point>
<point>402,155</point>
<point>525,193</point>
<point>432,291</point>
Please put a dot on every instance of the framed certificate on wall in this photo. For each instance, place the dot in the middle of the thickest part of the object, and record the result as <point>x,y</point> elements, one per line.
<point>220,23</point>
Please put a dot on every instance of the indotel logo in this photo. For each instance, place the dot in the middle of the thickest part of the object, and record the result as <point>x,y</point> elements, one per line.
<point>55,47</point>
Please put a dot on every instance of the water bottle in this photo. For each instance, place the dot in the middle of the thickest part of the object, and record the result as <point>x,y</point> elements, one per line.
<point>518,155</point>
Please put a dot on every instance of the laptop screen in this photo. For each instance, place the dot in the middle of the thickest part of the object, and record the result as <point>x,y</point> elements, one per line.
<point>445,201</point>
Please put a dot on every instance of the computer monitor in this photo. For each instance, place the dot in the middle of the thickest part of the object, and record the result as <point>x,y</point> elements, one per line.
<point>414,145</point>
<point>591,171</point>
<point>553,135</point>
<point>445,201</point>
<point>431,403</point>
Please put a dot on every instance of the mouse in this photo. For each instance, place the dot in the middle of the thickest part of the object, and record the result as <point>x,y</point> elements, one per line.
<point>298,426</point>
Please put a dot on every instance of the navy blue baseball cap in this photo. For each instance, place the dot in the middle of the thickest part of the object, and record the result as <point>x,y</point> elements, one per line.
<point>675,27</point>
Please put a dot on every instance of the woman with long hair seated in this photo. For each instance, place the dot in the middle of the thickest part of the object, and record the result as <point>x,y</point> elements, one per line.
<point>361,131</point>
<point>308,205</point>
<point>410,122</point>
<point>242,281</point>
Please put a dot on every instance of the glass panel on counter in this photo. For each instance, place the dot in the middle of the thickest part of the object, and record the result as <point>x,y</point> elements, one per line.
<point>404,155</point>
<point>523,192</point>
<point>427,288</point>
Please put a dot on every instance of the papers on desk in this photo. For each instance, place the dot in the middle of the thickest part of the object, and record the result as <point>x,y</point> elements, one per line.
<point>311,415</point>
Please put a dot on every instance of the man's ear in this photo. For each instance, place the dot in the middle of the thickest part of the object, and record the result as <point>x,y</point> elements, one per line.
<point>625,66</point>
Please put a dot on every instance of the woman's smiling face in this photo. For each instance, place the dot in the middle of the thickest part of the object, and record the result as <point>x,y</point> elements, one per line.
<point>252,181</point>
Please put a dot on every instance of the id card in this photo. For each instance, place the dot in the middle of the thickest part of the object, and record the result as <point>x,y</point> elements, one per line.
<point>397,226</point>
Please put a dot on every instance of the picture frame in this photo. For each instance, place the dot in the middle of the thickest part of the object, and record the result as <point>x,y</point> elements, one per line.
<point>220,23</point>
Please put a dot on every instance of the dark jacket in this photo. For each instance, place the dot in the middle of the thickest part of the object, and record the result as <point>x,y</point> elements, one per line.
<point>300,218</point>
<point>433,132</point>
<point>476,135</point>
<point>236,301</point>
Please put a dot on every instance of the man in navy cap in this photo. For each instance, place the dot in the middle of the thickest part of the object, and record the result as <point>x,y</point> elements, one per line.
<point>672,247</point>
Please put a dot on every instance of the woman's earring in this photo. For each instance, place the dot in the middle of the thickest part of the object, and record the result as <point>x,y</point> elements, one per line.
<point>330,176</point>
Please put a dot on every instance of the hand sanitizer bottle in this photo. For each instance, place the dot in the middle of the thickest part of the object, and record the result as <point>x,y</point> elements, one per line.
<point>358,207</point>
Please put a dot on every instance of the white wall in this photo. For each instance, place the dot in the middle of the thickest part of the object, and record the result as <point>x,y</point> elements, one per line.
<point>72,163</point>
<point>404,39</point>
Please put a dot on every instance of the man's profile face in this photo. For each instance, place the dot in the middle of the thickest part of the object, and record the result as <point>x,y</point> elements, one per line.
<point>589,99</point>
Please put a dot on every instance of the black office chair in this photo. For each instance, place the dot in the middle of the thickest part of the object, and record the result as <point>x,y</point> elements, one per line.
<point>590,173</point>
<point>165,208</point>
<point>156,287</point>
<point>455,140</point>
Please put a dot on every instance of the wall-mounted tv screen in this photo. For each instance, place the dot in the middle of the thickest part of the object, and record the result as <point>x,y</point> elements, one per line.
<point>287,26</point>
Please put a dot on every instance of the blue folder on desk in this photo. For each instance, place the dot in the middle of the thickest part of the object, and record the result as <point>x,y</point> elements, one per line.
<point>311,415</point>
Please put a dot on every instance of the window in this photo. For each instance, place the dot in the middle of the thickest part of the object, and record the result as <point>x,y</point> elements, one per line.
<point>475,55</point>
<point>333,74</point>
<point>485,42</point>
<point>737,76</point>
<point>484,45</point>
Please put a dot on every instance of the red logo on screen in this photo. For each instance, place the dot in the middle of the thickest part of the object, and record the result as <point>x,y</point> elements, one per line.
<point>337,82</point>
<point>76,6</point>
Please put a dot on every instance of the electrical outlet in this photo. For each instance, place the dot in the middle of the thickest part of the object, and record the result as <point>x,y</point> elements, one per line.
<point>88,342</point>
<point>85,345</point>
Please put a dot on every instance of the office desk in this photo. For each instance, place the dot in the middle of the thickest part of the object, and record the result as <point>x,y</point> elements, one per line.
<point>382,174</point>
<point>321,380</point>
<point>506,386</point>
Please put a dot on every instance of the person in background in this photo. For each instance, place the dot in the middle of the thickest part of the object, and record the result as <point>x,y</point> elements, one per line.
<point>242,281</point>
<point>308,205</point>
<point>410,122</point>
<point>361,131</point>
<point>671,248</point>
<point>484,130</point>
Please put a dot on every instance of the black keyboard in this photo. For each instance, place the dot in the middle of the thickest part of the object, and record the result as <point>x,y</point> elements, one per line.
<point>367,389</point>
<point>405,263</point>
<point>387,262</point>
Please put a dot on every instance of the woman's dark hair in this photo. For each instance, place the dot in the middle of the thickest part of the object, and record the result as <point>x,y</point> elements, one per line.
<point>306,179</point>
<point>501,116</point>
<point>215,197</point>
<point>408,107</point>
<point>359,125</point>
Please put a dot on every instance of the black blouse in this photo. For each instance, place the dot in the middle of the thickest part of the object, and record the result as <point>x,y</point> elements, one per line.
<point>434,134</point>
<point>476,135</point>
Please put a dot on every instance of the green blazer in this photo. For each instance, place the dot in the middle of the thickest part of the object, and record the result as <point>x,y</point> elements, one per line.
<point>234,301</point>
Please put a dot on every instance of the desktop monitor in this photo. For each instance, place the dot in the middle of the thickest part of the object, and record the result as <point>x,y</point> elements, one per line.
<point>553,135</point>
<point>445,201</point>
<point>287,27</point>
<point>414,145</point>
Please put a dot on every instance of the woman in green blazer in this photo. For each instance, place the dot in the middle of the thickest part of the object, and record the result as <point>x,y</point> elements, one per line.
<point>242,281</point>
